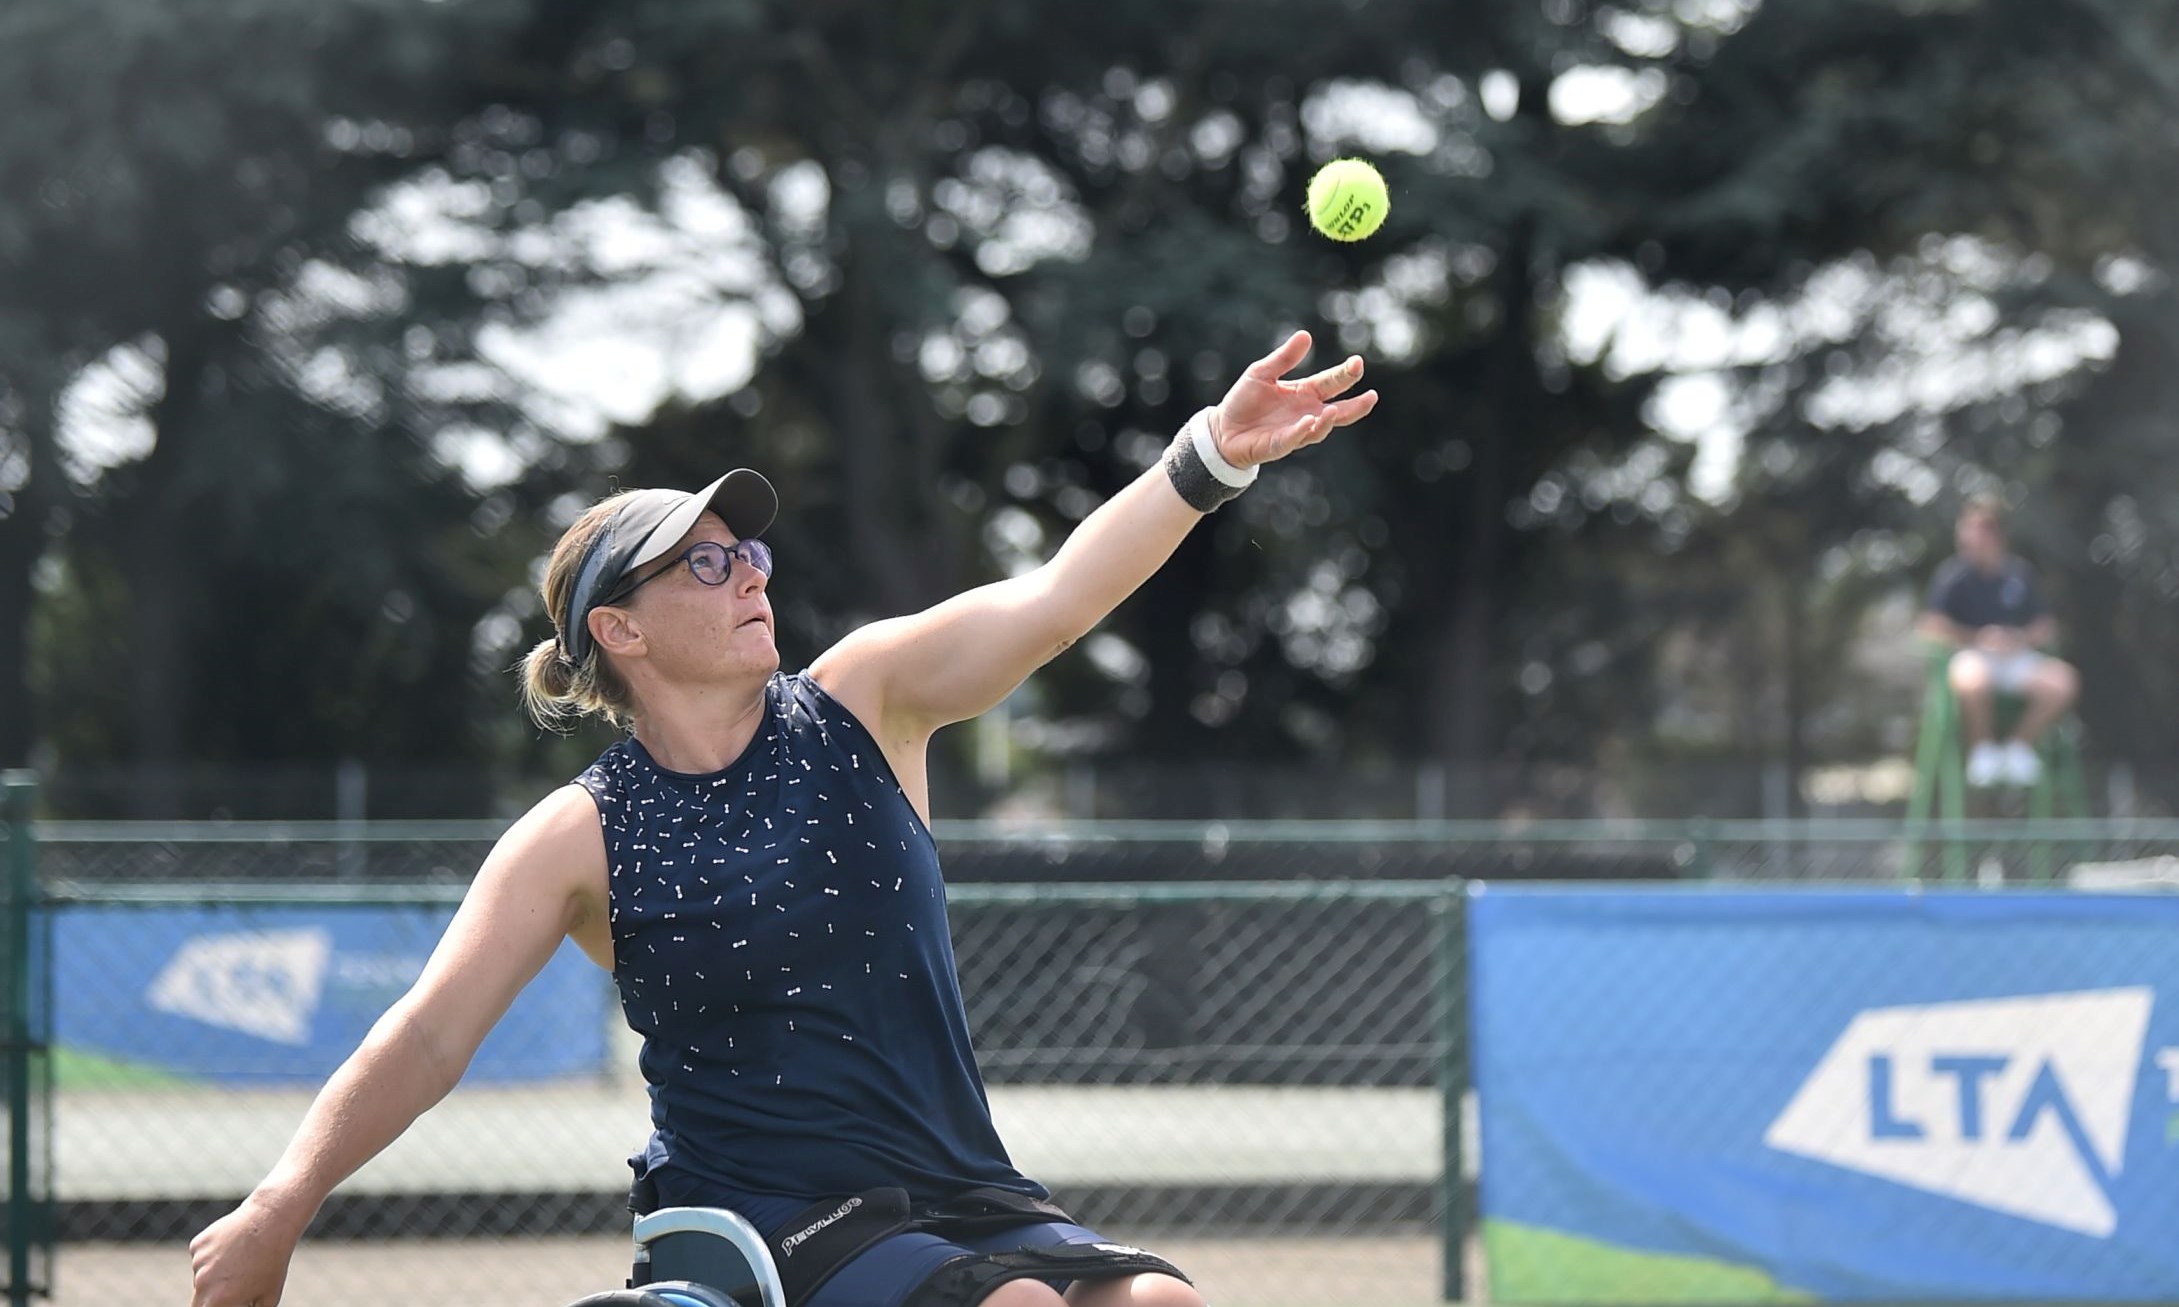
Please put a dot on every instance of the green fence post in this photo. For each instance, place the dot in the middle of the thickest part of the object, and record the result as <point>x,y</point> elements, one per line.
<point>1701,856</point>
<point>1452,950</point>
<point>18,790</point>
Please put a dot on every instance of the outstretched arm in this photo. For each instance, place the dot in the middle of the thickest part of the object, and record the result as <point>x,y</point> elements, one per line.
<point>542,880</point>
<point>961,657</point>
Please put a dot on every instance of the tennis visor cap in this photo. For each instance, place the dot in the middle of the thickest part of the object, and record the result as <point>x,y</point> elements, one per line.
<point>644,526</point>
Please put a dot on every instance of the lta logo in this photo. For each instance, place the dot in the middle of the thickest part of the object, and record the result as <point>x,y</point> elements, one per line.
<point>263,982</point>
<point>2018,1105</point>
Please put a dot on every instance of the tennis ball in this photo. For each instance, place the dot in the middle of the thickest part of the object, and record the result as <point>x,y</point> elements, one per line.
<point>1347,200</point>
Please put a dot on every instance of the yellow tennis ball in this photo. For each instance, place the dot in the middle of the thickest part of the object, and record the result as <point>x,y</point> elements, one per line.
<point>1347,200</point>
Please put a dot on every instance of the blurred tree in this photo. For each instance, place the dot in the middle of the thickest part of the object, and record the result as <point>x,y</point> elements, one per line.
<point>1004,229</point>
<point>1949,221</point>
<point>2079,157</point>
<point>170,173</point>
<point>990,254</point>
<point>1025,244</point>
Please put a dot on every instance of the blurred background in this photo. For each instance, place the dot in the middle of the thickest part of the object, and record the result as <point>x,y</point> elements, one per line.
<point>1696,322</point>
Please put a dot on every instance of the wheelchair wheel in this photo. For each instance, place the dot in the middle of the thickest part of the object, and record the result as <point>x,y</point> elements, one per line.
<point>666,1293</point>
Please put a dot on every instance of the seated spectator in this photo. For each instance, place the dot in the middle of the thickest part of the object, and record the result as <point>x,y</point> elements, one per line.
<point>1983,603</point>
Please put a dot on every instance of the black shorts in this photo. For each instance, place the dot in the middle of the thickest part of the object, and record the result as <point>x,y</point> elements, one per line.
<point>890,1271</point>
<point>884,1275</point>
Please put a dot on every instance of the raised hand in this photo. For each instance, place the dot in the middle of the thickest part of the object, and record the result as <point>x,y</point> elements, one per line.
<point>1264,418</point>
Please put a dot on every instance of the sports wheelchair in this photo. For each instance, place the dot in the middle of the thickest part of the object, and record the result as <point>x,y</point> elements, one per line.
<point>697,1257</point>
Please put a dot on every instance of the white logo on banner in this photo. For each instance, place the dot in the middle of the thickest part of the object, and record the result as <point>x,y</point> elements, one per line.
<point>2018,1105</point>
<point>262,983</point>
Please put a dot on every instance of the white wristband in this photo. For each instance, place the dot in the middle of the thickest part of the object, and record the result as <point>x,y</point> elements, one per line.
<point>1206,448</point>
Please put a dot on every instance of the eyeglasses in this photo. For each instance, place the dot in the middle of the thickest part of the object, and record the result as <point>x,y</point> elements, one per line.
<point>711,562</point>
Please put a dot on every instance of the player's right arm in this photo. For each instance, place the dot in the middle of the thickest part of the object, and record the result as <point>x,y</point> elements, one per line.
<point>545,880</point>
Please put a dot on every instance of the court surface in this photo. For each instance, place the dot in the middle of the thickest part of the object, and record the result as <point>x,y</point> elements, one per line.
<point>179,1143</point>
<point>552,1272</point>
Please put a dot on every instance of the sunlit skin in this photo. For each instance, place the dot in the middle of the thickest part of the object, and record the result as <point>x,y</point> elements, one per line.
<point>696,659</point>
<point>695,656</point>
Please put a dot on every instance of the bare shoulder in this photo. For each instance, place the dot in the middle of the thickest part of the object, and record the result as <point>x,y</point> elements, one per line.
<point>557,848</point>
<point>854,671</point>
<point>566,817</point>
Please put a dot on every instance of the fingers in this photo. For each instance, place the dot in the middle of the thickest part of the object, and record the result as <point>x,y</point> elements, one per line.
<point>1347,412</point>
<point>1331,417</point>
<point>1320,424</point>
<point>1333,382</point>
<point>1282,360</point>
<point>1302,431</point>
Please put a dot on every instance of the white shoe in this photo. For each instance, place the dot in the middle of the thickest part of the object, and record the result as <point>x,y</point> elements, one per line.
<point>2022,767</point>
<point>1986,765</point>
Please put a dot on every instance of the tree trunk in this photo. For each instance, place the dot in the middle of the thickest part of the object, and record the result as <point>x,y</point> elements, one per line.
<point>1173,598</point>
<point>1462,723</point>
<point>20,539</point>
<point>879,500</point>
<point>1794,662</point>
<point>152,531</point>
<point>22,544</point>
<point>1461,707</point>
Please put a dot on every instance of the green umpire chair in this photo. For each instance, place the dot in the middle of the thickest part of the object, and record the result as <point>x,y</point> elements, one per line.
<point>1940,773</point>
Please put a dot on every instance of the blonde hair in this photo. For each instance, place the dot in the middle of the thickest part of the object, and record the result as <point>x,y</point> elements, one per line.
<point>558,693</point>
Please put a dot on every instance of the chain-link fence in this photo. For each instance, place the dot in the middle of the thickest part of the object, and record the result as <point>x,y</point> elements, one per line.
<point>1135,789</point>
<point>1236,1072</point>
<point>1984,853</point>
<point>1238,1045</point>
<point>211,856</point>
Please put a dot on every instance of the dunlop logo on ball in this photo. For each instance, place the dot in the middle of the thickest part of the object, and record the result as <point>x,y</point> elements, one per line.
<point>1347,200</point>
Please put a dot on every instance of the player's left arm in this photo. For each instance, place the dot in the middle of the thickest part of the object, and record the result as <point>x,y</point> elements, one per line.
<point>961,657</point>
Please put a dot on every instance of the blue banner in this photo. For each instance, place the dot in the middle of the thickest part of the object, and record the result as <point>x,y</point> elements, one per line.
<point>1776,1094</point>
<point>261,996</point>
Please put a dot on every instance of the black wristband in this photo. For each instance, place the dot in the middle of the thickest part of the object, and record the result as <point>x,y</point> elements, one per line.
<point>1202,489</point>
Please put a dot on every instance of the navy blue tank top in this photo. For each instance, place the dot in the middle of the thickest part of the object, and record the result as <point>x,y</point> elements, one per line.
<point>780,942</point>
